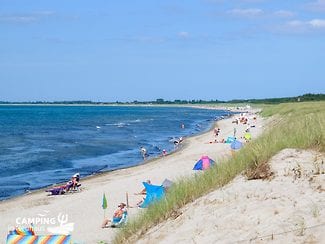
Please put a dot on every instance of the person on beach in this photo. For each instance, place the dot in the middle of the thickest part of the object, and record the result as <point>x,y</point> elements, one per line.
<point>143,153</point>
<point>178,141</point>
<point>216,131</point>
<point>119,217</point>
<point>143,191</point>
<point>75,181</point>
<point>164,152</point>
<point>235,131</point>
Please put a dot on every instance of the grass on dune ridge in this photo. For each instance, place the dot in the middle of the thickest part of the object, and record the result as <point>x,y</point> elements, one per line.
<point>298,125</point>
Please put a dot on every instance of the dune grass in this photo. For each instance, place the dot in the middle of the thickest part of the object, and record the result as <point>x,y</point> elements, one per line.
<point>299,125</point>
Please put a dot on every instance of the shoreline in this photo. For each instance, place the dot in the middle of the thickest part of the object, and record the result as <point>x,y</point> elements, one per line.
<point>84,208</point>
<point>143,162</point>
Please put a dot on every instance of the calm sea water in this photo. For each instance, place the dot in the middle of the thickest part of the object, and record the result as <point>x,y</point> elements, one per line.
<point>42,145</point>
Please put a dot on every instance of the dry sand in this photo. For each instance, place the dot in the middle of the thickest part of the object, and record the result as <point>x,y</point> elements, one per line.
<point>83,210</point>
<point>289,208</point>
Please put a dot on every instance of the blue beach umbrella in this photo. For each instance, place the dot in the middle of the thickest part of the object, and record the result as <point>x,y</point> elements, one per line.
<point>235,145</point>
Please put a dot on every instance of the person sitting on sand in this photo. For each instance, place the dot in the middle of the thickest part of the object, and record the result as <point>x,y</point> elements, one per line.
<point>143,191</point>
<point>73,184</point>
<point>119,217</point>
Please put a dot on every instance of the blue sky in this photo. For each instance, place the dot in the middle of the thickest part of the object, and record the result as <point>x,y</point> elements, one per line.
<point>104,50</point>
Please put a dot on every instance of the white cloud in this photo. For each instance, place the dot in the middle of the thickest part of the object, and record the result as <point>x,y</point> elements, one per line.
<point>295,23</point>
<point>246,12</point>
<point>300,26</point>
<point>25,18</point>
<point>284,14</point>
<point>183,34</point>
<point>317,23</point>
<point>318,6</point>
<point>17,18</point>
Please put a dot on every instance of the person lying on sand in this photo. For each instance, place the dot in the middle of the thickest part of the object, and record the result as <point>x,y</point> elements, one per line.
<point>119,217</point>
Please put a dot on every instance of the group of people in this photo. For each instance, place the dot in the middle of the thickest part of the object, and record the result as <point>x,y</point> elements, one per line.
<point>72,185</point>
<point>176,142</point>
<point>145,154</point>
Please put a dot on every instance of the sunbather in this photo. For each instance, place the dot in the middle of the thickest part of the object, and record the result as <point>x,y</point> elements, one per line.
<point>119,217</point>
<point>72,184</point>
<point>75,181</point>
<point>59,190</point>
<point>143,191</point>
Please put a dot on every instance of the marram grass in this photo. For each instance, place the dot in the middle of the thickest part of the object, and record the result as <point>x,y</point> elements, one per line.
<point>301,125</point>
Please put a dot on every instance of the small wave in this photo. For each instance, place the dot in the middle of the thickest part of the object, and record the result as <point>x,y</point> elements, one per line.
<point>119,125</point>
<point>136,121</point>
<point>140,120</point>
<point>19,148</point>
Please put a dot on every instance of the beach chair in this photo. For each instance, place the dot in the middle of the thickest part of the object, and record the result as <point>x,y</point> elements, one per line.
<point>120,222</point>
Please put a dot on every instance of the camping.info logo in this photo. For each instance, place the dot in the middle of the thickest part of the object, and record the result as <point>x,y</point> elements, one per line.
<point>45,222</point>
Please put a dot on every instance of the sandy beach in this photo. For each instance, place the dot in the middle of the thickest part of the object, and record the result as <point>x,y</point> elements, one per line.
<point>83,209</point>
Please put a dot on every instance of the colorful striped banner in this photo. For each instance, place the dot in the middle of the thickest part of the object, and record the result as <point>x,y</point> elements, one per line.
<point>54,239</point>
<point>41,239</point>
<point>19,239</point>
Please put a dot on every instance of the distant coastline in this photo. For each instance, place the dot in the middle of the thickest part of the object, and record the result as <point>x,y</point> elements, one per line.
<point>161,101</point>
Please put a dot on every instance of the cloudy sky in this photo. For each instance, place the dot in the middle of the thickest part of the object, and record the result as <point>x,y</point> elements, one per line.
<point>105,50</point>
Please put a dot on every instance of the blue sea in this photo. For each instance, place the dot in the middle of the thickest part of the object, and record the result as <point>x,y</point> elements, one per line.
<point>43,145</point>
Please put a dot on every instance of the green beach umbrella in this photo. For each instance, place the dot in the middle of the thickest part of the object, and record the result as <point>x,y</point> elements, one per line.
<point>104,204</point>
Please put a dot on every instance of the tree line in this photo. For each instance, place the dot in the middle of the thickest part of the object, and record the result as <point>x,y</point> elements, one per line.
<point>304,98</point>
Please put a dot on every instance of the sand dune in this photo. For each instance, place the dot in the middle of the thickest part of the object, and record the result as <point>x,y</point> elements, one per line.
<point>288,208</point>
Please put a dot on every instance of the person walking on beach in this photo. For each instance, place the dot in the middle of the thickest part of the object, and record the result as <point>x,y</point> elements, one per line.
<point>216,131</point>
<point>143,152</point>
<point>235,130</point>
